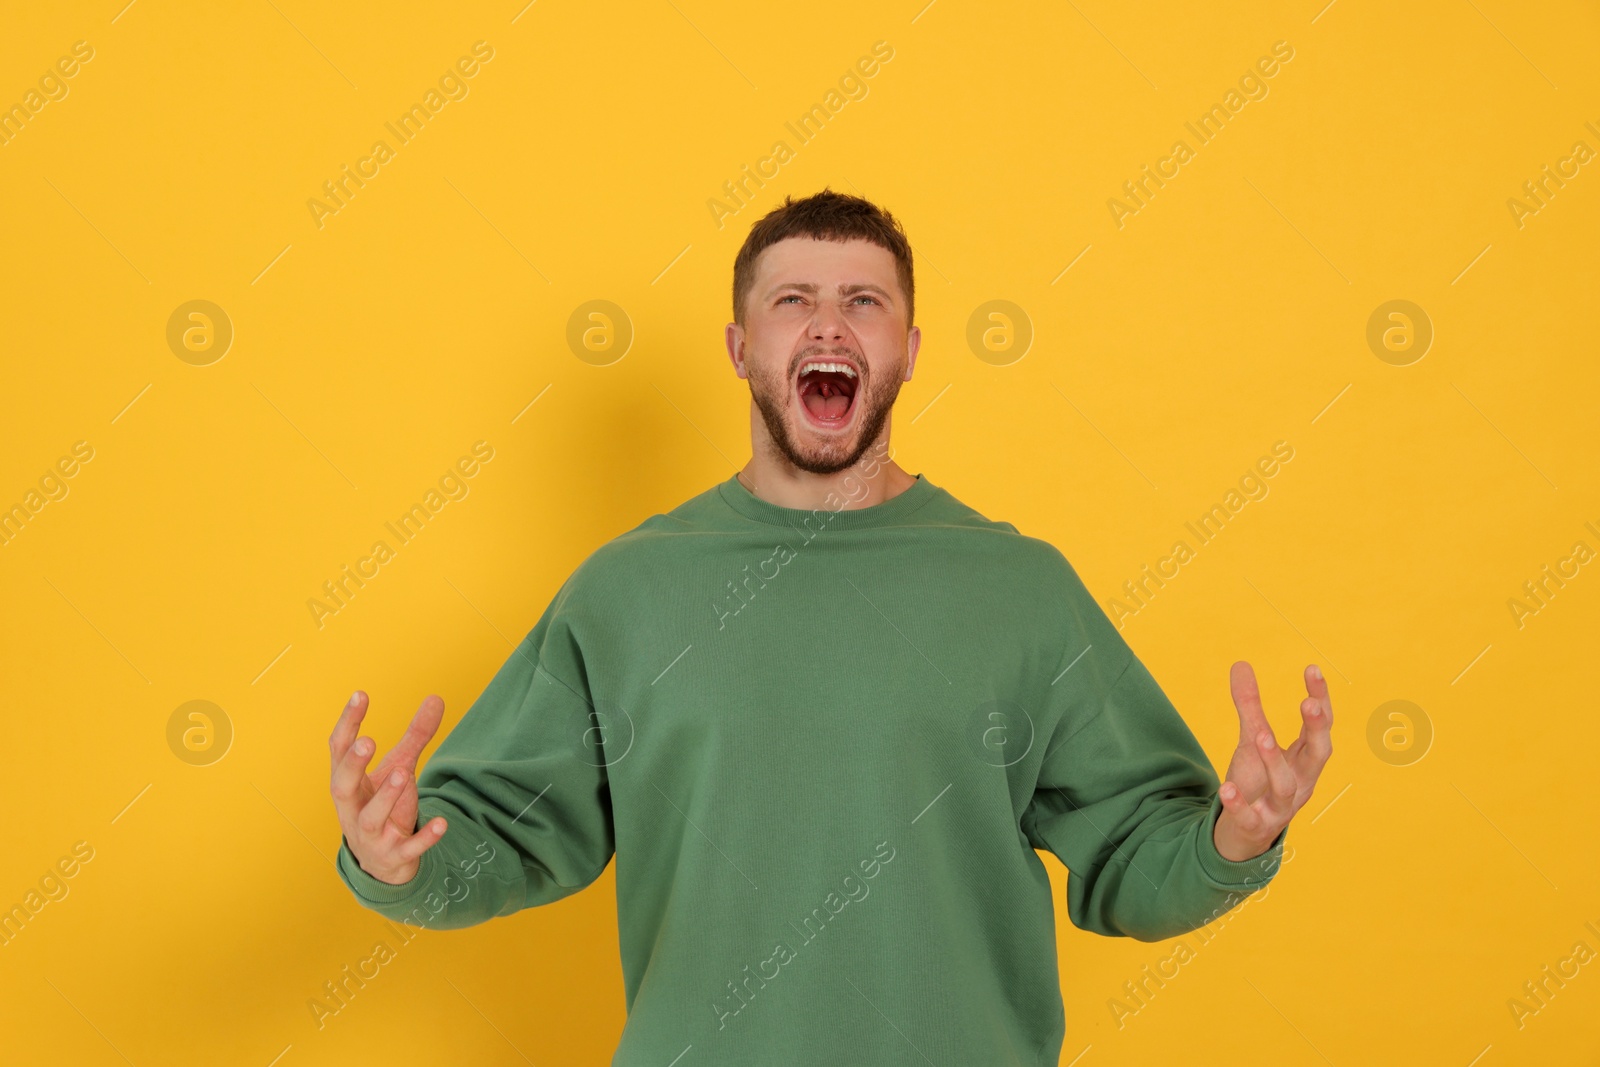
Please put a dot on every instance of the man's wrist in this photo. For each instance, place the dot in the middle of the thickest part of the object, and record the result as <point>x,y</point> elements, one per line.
<point>374,890</point>
<point>391,877</point>
<point>1239,848</point>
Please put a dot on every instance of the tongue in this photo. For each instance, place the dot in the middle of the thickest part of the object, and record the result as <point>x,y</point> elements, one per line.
<point>830,407</point>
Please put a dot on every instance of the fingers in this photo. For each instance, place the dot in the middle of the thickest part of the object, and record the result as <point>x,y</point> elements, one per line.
<point>424,724</point>
<point>1247,698</point>
<point>1260,815</point>
<point>422,840</point>
<point>1280,776</point>
<point>1248,817</point>
<point>376,811</point>
<point>405,753</point>
<point>1317,686</point>
<point>1314,746</point>
<point>407,750</point>
<point>354,792</point>
<point>1235,805</point>
<point>382,848</point>
<point>1289,775</point>
<point>1316,732</point>
<point>1247,772</point>
<point>349,724</point>
<point>349,786</point>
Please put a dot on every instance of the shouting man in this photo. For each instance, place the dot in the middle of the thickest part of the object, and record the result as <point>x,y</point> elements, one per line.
<point>823,714</point>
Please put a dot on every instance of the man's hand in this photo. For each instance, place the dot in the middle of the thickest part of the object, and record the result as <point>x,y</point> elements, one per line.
<point>1265,784</point>
<point>378,812</point>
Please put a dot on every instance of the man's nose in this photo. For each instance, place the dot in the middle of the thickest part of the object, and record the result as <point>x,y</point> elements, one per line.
<point>827,324</point>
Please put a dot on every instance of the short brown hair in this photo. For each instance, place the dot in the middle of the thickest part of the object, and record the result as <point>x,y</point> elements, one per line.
<point>826,216</point>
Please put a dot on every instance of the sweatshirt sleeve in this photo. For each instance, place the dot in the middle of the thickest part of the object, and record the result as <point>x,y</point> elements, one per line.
<point>523,787</point>
<point>1127,800</point>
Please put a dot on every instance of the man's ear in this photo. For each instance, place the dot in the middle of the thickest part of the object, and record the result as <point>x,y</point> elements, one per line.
<point>733,336</point>
<point>913,342</point>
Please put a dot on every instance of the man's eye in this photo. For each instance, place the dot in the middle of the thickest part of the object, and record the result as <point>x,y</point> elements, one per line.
<point>865,297</point>
<point>791,296</point>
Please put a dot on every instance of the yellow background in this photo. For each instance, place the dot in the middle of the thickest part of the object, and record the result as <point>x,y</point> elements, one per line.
<point>1229,313</point>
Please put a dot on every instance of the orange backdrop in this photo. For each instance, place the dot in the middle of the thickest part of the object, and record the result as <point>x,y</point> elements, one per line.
<point>1321,277</point>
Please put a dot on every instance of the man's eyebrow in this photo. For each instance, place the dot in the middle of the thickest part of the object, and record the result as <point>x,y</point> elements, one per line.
<point>844,290</point>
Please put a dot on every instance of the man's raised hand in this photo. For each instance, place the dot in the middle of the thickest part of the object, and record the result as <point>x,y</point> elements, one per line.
<point>1266,785</point>
<point>378,811</point>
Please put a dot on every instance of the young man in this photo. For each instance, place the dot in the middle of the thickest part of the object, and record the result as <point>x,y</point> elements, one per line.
<point>822,714</point>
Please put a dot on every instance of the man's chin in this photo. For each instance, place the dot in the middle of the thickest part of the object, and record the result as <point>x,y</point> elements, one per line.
<point>830,458</point>
<point>816,450</point>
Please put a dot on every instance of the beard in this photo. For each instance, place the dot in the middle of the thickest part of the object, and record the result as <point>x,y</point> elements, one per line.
<point>799,444</point>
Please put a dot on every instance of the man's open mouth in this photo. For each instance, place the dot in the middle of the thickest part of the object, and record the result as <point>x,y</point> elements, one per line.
<point>827,390</point>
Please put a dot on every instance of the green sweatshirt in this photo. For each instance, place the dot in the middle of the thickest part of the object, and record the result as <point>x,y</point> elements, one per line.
<point>823,747</point>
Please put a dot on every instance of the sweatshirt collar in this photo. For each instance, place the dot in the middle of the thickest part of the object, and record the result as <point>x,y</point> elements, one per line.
<point>746,503</point>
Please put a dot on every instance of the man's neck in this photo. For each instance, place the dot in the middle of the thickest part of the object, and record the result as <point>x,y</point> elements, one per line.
<point>866,484</point>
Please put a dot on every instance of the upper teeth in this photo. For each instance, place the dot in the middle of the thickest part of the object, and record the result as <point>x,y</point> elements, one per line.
<point>837,368</point>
